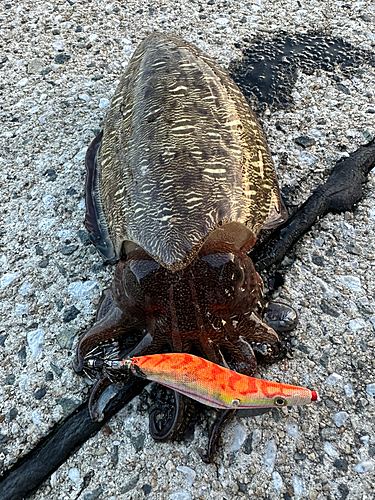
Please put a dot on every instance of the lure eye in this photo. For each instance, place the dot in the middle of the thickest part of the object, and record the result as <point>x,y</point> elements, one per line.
<point>235,402</point>
<point>280,401</point>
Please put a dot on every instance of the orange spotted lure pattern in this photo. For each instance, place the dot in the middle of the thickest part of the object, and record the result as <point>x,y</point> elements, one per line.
<point>212,384</point>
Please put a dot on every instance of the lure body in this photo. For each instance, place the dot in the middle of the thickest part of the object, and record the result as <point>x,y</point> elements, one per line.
<point>212,384</point>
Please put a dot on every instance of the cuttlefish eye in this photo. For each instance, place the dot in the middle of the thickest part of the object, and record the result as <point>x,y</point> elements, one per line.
<point>280,401</point>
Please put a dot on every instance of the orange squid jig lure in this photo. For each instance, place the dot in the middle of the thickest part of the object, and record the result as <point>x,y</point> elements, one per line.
<point>212,384</point>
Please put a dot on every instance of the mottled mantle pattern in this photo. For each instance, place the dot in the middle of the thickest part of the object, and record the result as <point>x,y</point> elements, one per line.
<point>187,131</point>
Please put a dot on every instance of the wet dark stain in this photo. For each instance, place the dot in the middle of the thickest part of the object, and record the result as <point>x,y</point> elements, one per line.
<point>268,70</point>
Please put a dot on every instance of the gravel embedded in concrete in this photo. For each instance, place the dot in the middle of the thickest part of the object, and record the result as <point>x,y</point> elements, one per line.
<point>60,64</point>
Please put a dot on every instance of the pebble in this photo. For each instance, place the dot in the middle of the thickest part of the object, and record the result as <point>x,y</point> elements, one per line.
<point>53,480</point>
<point>365,439</point>
<point>370,389</point>
<point>36,418</point>
<point>365,466</point>
<point>170,466</point>
<point>347,230</point>
<point>341,464</point>
<point>51,174</point>
<point>79,157</point>
<point>307,158</point>
<point>222,21</point>
<point>65,337</point>
<point>12,415</point>
<point>180,495</point>
<point>247,447</point>
<point>35,66</point>
<point>270,456</point>
<point>126,41</point>
<point>10,379</point>
<point>48,200</point>
<point>297,486</point>
<point>340,418</point>
<point>21,309</point>
<point>23,383</point>
<point>83,289</point>
<point>333,379</point>
<point>330,450</point>
<point>328,291</point>
<point>33,110</point>
<point>131,484</point>
<point>239,438</point>
<point>188,473</point>
<point>40,393</point>
<point>104,103</point>
<point>139,441</point>
<point>31,429</point>
<point>46,224</point>
<point>319,242</point>
<point>277,481</point>
<point>7,279</point>
<point>114,455</point>
<point>22,82</point>
<point>94,495</point>
<point>292,430</point>
<point>353,248</point>
<point>68,250</point>
<point>351,132</point>
<point>84,237</point>
<point>84,97</point>
<point>351,282</point>
<point>93,37</point>
<point>59,45</point>
<point>68,405</point>
<point>81,205</point>
<point>318,134</point>
<point>35,340</point>
<point>256,438</point>
<point>74,475</point>
<point>56,369</point>
<point>348,389</point>
<point>38,250</point>
<point>304,141</point>
<point>70,314</point>
<point>357,324</point>
<point>343,88</point>
<point>318,260</point>
<point>64,234</point>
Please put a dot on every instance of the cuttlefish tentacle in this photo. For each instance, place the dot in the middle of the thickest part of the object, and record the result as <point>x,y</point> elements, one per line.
<point>177,421</point>
<point>99,387</point>
<point>215,431</point>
